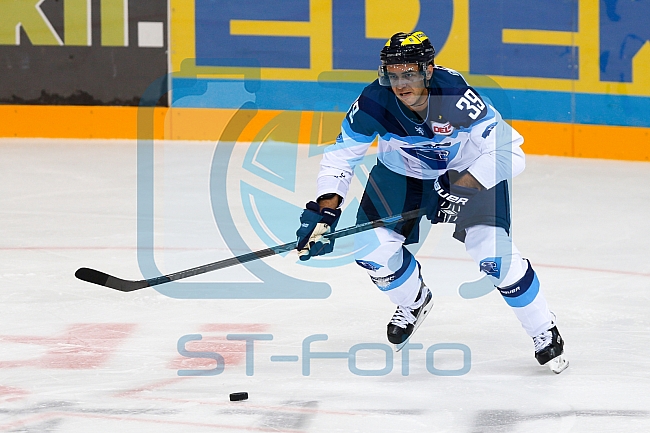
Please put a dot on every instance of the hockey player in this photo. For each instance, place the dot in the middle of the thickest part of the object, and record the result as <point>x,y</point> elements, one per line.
<point>442,149</point>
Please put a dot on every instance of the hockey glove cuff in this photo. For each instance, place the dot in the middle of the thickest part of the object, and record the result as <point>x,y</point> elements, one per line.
<point>314,223</point>
<point>448,201</point>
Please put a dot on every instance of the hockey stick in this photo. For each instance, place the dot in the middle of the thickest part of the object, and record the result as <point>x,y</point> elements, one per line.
<point>102,279</point>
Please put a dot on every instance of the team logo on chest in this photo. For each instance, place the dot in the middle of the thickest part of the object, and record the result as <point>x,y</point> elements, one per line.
<point>420,130</point>
<point>442,128</point>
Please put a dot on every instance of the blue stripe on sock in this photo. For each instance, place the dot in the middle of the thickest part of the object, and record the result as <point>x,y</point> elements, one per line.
<point>527,294</point>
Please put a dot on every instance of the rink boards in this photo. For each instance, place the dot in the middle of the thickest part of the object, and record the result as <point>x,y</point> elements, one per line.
<point>574,77</point>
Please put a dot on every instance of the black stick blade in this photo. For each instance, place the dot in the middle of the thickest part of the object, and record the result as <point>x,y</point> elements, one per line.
<point>92,276</point>
<point>102,279</point>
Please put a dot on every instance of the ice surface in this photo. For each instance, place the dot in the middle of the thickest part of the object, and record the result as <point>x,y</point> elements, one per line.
<point>76,357</point>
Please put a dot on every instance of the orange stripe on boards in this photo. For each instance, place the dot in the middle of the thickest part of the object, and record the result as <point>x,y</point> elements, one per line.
<point>545,138</point>
<point>541,138</point>
<point>585,141</point>
<point>197,123</point>
<point>40,121</point>
<point>609,142</point>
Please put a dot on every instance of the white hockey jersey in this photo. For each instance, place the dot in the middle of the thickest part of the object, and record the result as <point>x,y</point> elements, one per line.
<point>460,132</point>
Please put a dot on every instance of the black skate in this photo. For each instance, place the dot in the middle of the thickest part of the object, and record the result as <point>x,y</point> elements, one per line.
<point>406,320</point>
<point>549,350</point>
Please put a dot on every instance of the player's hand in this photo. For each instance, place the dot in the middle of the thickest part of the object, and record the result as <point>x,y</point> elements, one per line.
<point>314,223</point>
<point>448,201</point>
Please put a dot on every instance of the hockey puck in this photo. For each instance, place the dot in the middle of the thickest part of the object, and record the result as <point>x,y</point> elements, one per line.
<point>238,396</point>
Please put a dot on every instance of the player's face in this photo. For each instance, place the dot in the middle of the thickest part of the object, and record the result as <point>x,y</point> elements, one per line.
<point>407,81</point>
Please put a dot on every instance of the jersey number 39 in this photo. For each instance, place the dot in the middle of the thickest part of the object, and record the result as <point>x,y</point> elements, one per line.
<point>471,101</point>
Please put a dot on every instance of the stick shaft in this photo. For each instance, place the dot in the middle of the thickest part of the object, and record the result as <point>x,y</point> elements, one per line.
<point>102,279</point>
<point>278,249</point>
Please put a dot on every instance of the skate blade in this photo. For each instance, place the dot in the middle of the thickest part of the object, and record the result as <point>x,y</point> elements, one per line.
<point>421,317</point>
<point>558,364</point>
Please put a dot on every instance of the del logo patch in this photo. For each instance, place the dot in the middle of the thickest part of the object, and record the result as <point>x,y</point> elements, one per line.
<point>442,128</point>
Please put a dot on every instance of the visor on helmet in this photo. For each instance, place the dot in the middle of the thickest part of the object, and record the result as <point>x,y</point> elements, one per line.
<point>407,75</point>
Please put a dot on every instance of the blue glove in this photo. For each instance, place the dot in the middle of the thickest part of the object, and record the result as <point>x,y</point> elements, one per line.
<point>314,223</point>
<point>448,201</point>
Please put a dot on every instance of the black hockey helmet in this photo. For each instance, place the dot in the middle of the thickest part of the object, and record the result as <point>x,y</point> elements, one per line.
<point>404,48</point>
<point>412,47</point>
